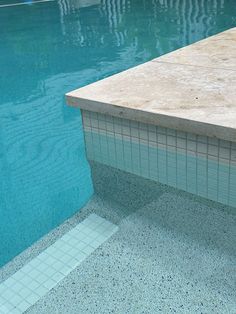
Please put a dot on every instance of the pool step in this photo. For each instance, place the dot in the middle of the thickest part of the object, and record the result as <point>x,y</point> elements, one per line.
<point>41,274</point>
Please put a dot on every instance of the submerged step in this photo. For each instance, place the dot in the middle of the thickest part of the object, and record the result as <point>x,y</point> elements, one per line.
<point>172,119</point>
<point>41,274</point>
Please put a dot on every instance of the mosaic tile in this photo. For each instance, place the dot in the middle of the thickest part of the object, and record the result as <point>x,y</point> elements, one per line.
<point>197,164</point>
<point>40,275</point>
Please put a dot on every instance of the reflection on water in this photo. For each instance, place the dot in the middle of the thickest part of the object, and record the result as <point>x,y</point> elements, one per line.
<point>163,25</point>
<point>50,48</point>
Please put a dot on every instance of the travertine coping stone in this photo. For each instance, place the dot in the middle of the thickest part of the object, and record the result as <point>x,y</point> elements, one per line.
<point>192,89</point>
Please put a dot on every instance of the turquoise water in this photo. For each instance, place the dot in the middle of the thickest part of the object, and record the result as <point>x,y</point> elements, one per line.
<point>48,49</point>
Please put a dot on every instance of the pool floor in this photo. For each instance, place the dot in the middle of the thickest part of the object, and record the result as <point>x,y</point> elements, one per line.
<point>173,253</point>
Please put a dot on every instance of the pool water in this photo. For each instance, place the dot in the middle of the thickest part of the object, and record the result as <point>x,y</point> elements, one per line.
<point>48,49</point>
<point>172,253</point>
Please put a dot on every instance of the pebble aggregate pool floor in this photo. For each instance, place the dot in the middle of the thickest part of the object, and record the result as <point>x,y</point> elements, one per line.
<point>173,253</point>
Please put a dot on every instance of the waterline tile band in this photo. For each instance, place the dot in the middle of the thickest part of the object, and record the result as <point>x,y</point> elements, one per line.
<point>40,275</point>
<point>197,164</point>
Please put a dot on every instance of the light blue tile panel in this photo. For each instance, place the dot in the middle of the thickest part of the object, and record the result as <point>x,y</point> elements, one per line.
<point>41,274</point>
<point>200,165</point>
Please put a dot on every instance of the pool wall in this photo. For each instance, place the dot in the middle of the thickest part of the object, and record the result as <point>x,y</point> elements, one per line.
<point>171,120</point>
<point>197,164</point>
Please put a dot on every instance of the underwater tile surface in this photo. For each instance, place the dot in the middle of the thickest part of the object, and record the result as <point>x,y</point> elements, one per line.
<point>197,164</point>
<point>41,274</point>
<point>173,253</point>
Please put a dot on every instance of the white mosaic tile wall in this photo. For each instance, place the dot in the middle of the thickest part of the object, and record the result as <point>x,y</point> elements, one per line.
<point>197,164</point>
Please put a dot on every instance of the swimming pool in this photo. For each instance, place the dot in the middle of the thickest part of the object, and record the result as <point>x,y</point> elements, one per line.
<point>48,49</point>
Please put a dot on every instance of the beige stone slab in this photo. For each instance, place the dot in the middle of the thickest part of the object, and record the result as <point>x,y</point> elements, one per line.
<point>188,98</point>
<point>192,89</point>
<point>218,51</point>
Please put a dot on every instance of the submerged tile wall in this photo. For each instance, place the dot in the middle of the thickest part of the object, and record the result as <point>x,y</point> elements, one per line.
<point>197,164</point>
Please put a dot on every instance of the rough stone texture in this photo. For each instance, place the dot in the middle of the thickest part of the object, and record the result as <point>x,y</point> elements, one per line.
<point>173,253</point>
<point>217,51</point>
<point>192,89</point>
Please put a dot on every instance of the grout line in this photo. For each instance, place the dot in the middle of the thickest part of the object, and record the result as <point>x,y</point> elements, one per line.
<point>153,144</point>
<point>35,279</point>
<point>196,155</point>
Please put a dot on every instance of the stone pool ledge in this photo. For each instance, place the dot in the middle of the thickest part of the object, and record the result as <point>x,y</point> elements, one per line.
<point>171,120</point>
<point>192,89</point>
